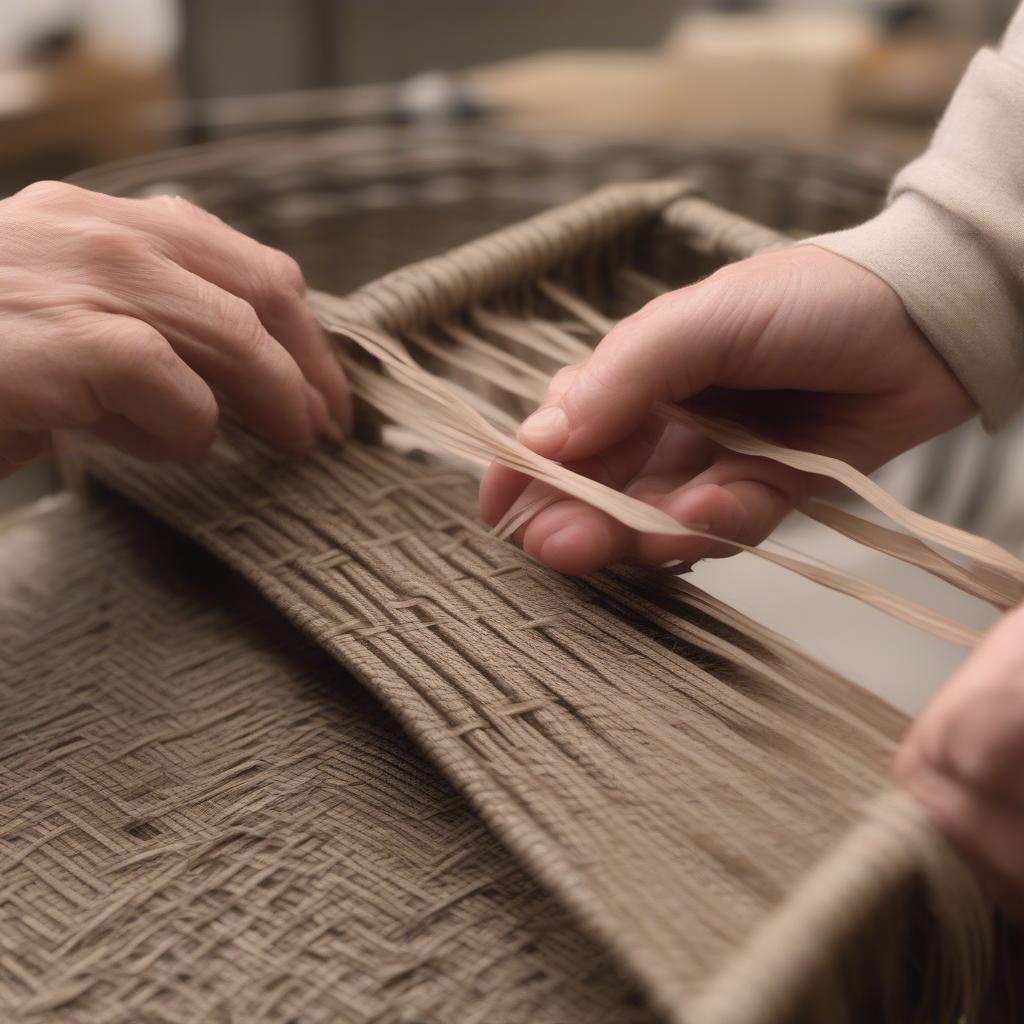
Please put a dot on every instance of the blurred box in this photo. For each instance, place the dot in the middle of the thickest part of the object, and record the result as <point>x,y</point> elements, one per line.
<point>785,77</point>
<point>603,90</point>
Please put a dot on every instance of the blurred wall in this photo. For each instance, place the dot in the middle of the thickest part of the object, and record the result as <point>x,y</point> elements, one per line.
<point>236,47</point>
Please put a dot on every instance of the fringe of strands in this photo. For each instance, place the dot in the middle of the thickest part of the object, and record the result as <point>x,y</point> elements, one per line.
<point>496,318</point>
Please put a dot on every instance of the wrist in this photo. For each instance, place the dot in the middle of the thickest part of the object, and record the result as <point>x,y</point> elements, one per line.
<point>940,272</point>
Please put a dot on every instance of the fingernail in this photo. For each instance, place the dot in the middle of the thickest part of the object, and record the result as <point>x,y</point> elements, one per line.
<point>546,431</point>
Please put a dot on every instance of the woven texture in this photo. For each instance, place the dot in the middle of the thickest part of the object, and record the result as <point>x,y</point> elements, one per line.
<point>658,789</point>
<point>202,817</point>
<point>353,205</point>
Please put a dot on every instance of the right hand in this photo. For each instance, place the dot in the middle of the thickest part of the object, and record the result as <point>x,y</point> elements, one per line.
<point>801,346</point>
<point>136,318</point>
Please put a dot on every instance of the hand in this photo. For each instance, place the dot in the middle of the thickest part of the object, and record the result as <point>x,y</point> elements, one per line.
<point>136,318</point>
<point>801,346</point>
<point>964,760</point>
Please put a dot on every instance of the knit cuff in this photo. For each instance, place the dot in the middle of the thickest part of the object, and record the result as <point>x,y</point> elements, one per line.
<point>953,290</point>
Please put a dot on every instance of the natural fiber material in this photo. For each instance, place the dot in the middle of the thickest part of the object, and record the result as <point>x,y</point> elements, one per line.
<point>668,771</point>
<point>204,818</point>
<point>593,244</point>
<point>353,205</point>
<point>658,790</point>
<point>672,816</point>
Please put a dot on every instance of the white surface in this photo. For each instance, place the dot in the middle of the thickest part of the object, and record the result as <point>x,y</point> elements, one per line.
<point>902,664</point>
<point>143,30</point>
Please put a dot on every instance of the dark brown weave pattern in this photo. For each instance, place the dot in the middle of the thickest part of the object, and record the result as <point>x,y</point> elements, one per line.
<point>655,789</point>
<point>203,818</point>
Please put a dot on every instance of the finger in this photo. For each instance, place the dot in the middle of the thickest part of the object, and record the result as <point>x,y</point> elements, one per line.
<point>323,423</point>
<point>739,498</point>
<point>222,339</point>
<point>575,538</point>
<point>571,536</point>
<point>562,381</point>
<point>990,831</point>
<point>972,729</point>
<point>144,382</point>
<point>673,348</point>
<point>745,511</point>
<point>499,488</point>
<point>270,281</point>
<point>963,759</point>
<point>120,432</point>
<point>680,454</point>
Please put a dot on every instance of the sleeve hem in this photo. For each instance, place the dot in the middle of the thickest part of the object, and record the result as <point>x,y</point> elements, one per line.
<point>952,289</point>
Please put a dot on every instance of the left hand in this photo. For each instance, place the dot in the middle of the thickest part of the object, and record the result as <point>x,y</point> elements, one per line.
<point>964,761</point>
<point>139,319</point>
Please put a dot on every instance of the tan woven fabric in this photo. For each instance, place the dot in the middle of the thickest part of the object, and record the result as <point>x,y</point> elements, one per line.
<point>580,718</point>
<point>203,818</point>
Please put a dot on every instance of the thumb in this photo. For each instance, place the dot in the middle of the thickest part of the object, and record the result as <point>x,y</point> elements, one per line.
<point>671,349</point>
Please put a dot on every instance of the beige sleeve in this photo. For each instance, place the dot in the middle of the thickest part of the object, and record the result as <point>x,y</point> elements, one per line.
<point>951,240</point>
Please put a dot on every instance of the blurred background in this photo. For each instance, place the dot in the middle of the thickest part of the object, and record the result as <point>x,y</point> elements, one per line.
<point>361,134</point>
<point>84,81</point>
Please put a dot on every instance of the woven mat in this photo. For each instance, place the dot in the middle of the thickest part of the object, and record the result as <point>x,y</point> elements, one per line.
<point>592,728</point>
<point>204,818</point>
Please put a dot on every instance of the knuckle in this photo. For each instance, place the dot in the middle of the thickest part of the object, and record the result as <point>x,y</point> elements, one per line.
<point>132,351</point>
<point>108,243</point>
<point>601,376</point>
<point>626,334</point>
<point>50,193</point>
<point>243,334</point>
<point>179,206</point>
<point>283,276</point>
<point>659,302</point>
<point>199,427</point>
<point>561,381</point>
<point>652,307</point>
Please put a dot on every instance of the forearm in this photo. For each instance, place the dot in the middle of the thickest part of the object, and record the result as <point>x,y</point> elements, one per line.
<point>951,240</point>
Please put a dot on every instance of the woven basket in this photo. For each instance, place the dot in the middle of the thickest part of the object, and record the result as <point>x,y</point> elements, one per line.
<point>218,825</point>
<point>666,769</point>
<point>353,205</point>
